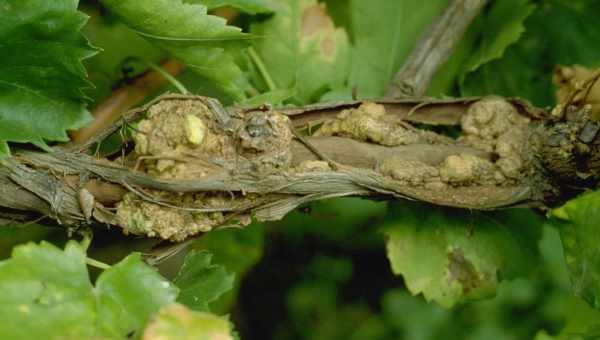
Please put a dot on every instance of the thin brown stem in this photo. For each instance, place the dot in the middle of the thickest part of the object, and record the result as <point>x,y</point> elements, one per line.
<point>434,48</point>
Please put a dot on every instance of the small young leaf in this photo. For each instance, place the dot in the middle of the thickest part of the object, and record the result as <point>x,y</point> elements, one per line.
<point>176,322</point>
<point>577,222</point>
<point>452,255</point>
<point>47,293</point>
<point>200,281</point>
<point>302,49</point>
<point>41,74</point>
<point>204,42</point>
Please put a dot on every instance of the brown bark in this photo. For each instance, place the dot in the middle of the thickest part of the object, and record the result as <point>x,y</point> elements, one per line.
<point>564,159</point>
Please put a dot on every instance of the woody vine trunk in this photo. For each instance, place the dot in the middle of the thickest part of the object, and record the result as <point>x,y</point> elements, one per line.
<point>196,166</point>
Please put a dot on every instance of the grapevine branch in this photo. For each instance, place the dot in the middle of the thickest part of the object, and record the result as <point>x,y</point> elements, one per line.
<point>253,166</point>
<point>197,165</point>
<point>434,48</point>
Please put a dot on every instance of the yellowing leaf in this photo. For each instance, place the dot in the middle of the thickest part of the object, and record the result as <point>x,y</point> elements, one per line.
<point>47,294</point>
<point>176,322</point>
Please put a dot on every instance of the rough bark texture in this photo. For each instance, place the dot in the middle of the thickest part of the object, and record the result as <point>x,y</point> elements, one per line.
<point>197,166</point>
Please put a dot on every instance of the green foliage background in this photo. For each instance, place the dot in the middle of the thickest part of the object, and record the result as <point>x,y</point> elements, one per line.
<point>338,269</point>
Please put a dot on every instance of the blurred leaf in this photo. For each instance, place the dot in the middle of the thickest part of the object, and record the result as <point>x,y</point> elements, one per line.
<point>47,293</point>
<point>500,27</point>
<point>128,294</point>
<point>453,255</point>
<point>342,221</point>
<point>384,32</point>
<point>205,43</point>
<point>118,43</point>
<point>41,73</point>
<point>302,49</point>
<point>579,229</point>
<point>14,234</point>
<point>275,97</point>
<point>559,32</point>
<point>200,281</point>
<point>495,29</point>
<point>248,6</point>
<point>424,320</point>
<point>235,249</point>
<point>238,250</point>
<point>176,322</point>
<point>339,11</point>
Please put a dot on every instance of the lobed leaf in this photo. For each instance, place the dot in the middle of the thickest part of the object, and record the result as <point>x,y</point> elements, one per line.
<point>302,51</point>
<point>47,294</point>
<point>500,27</point>
<point>204,42</point>
<point>200,281</point>
<point>453,256</point>
<point>41,73</point>
<point>577,221</point>
<point>491,33</point>
<point>176,322</point>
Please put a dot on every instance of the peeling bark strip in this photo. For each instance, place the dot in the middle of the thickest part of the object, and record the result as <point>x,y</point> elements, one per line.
<point>197,166</point>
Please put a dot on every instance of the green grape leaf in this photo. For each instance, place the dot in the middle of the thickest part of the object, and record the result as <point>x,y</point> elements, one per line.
<point>176,322</point>
<point>501,27</point>
<point>453,255</point>
<point>556,33</point>
<point>200,281</point>
<point>248,6</point>
<point>238,250</point>
<point>118,44</point>
<point>577,222</point>
<point>205,43</point>
<point>487,38</point>
<point>47,293</point>
<point>301,49</point>
<point>128,294</point>
<point>384,33</point>
<point>41,73</point>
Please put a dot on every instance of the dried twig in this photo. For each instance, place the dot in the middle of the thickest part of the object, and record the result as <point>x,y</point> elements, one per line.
<point>434,48</point>
<point>123,99</point>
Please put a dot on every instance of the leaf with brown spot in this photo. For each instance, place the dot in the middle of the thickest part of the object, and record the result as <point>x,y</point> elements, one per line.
<point>453,256</point>
<point>303,50</point>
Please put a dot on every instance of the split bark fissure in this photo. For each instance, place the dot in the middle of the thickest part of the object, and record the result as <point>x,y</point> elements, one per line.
<point>222,170</point>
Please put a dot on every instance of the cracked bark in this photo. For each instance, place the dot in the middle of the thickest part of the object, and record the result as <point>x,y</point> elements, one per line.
<point>566,161</point>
